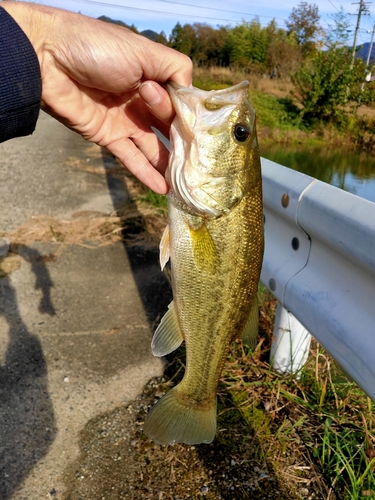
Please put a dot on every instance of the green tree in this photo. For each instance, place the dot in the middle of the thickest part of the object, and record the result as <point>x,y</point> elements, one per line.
<point>284,56</point>
<point>249,43</point>
<point>182,38</point>
<point>208,45</point>
<point>339,32</point>
<point>304,22</point>
<point>326,87</point>
<point>161,38</point>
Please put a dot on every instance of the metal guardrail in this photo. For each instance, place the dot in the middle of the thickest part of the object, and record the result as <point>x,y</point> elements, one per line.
<point>319,263</point>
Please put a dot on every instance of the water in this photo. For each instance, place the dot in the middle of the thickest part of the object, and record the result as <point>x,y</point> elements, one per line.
<point>348,170</point>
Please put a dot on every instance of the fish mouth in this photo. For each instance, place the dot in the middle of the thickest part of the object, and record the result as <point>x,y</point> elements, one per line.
<point>173,87</point>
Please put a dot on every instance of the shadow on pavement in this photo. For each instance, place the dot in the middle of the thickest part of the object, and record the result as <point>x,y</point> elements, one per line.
<point>27,422</point>
<point>153,287</point>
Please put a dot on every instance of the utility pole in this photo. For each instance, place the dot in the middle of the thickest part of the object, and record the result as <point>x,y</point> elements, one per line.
<point>368,75</point>
<point>362,9</point>
<point>370,48</point>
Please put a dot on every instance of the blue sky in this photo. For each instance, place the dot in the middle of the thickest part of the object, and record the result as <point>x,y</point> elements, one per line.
<point>162,15</point>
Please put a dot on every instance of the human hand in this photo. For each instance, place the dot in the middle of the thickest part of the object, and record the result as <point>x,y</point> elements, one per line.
<point>103,81</point>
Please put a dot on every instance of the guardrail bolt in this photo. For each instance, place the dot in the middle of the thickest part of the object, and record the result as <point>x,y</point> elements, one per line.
<point>285,200</point>
<point>272,284</point>
<point>295,243</point>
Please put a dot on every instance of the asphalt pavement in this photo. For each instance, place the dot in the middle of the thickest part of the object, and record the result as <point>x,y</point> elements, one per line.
<point>75,320</point>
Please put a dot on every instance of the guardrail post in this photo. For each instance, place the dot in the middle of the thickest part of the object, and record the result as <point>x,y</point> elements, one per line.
<point>290,342</point>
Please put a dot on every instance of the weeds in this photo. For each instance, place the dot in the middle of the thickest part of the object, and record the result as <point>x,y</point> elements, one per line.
<point>157,201</point>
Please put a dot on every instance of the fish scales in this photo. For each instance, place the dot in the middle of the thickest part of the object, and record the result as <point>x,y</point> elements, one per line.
<point>215,245</point>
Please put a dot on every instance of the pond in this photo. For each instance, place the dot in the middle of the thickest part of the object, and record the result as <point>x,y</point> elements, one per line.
<point>348,170</point>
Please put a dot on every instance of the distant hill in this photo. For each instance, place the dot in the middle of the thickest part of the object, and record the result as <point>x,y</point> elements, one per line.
<point>152,35</point>
<point>120,23</point>
<point>363,52</point>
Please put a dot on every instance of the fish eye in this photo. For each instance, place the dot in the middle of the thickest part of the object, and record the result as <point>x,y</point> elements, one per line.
<point>241,132</point>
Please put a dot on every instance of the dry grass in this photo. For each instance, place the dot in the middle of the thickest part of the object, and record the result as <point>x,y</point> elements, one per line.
<point>229,76</point>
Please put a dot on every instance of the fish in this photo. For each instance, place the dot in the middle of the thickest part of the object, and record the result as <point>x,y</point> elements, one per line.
<point>214,240</point>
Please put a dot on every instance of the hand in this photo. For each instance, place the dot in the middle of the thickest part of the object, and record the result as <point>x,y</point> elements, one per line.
<point>103,81</point>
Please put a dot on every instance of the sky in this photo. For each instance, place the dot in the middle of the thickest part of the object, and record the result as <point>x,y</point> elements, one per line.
<point>162,15</point>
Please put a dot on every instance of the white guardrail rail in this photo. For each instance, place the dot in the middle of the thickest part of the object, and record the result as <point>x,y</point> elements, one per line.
<point>319,263</point>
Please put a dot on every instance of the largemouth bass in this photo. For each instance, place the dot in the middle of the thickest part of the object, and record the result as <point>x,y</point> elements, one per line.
<point>214,239</point>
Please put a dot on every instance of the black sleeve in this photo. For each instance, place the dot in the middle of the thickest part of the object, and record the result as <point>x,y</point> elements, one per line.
<point>20,81</point>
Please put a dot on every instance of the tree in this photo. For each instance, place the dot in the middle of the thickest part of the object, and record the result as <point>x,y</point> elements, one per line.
<point>338,33</point>
<point>181,38</point>
<point>326,87</point>
<point>304,22</point>
<point>161,38</point>
<point>286,57</point>
<point>249,43</point>
<point>208,45</point>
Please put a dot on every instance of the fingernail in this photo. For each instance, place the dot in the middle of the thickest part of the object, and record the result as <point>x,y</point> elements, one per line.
<point>149,93</point>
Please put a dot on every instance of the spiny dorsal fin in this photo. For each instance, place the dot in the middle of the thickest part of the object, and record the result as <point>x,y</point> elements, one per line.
<point>167,336</point>
<point>250,332</point>
<point>164,247</point>
<point>205,254</point>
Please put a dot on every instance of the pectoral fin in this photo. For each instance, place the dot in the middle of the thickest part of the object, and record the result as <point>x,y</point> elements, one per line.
<point>205,254</point>
<point>167,336</point>
<point>164,247</point>
<point>251,328</point>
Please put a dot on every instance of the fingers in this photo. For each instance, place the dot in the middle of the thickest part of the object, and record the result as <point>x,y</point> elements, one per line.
<point>157,100</point>
<point>136,162</point>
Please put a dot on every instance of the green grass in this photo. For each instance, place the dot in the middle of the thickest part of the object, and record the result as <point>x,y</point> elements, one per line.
<point>329,414</point>
<point>158,201</point>
<point>275,112</point>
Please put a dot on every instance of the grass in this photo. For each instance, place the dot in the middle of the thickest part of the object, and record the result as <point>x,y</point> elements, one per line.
<point>157,201</point>
<point>333,418</point>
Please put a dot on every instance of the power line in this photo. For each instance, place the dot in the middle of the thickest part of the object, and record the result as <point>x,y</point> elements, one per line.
<point>333,5</point>
<point>127,7</point>
<point>153,11</point>
<point>220,10</point>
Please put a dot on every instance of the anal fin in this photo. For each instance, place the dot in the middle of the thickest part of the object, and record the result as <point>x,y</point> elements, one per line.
<point>167,336</point>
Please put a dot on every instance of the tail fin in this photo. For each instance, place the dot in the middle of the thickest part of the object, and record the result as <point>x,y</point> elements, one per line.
<point>170,421</point>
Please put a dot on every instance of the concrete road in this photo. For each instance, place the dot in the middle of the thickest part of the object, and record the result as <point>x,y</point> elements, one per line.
<point>75,321</point>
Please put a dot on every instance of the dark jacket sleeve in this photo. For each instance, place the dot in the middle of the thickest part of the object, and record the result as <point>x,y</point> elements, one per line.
<point>20,81</point>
